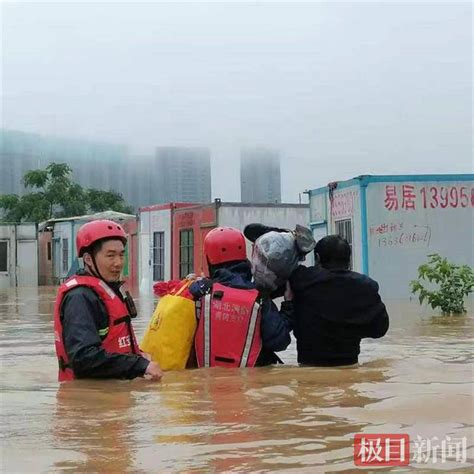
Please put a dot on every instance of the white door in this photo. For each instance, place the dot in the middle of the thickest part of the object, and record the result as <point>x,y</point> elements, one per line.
<point>27,263</point>
<point>5,264</point>
<point>56,259</point>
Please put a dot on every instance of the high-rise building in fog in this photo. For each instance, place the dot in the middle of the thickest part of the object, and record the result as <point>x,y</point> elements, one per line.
<point>260,180</point>
<point>174,174</point>
<point>136,181</point>
<point>181,174</point>
<point>19,153</point>
<point>94,164</point>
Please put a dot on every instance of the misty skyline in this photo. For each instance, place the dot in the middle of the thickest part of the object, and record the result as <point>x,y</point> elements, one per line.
<point>339,89</point>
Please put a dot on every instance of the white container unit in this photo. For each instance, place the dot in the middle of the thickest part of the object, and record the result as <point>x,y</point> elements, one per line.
<point>394,222</point>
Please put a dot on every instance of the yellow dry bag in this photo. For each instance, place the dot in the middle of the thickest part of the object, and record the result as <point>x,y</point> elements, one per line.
<point>170,334</point>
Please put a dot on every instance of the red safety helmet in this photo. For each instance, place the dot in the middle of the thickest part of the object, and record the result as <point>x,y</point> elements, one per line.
<point>224,244</point>
<point>97,230</point>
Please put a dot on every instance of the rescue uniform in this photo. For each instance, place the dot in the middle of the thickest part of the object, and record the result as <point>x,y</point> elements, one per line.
<point>93,331</point>
<point>272,328</point>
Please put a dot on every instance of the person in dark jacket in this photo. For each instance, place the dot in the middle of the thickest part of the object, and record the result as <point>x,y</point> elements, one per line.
<point>229,266</point>
<point>84,319</point>
<point>334,308</point>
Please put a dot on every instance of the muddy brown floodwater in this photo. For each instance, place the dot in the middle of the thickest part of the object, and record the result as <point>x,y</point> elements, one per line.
<point>417,381</point>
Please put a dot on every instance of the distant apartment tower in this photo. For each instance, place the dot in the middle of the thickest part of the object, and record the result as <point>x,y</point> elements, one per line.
<point>137,180</point>
<point>260,180</point>
<point>181,174</point>
<point>19,153</point>
<point>94,164</point>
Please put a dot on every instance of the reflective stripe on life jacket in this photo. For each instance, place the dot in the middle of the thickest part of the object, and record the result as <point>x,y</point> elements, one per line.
<point>228,333</point>
<point>119,336</point>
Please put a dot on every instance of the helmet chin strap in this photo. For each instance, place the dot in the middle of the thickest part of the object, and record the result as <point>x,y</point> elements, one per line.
<point>94,269</point>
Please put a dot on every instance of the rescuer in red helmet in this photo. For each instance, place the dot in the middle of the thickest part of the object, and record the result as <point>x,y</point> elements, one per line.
<point>92,316</point>
<point>237,326</point>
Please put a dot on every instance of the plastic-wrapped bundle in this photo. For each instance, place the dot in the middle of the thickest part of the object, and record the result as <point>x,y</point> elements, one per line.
<point>275,255</point>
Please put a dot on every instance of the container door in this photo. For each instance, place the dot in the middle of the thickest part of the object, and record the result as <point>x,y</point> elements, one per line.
<point>27,263</point>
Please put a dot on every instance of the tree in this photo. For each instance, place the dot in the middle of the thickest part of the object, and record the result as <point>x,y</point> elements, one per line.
<point>104,200</point>
<point>76,204</point>
<point>12,209</point>
<point>54,194</point>
<point>454,283</point>
<point>53,184</point>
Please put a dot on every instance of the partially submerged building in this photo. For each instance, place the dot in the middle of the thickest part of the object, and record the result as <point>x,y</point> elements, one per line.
<point>58,245</point>
<point>172,235</point>
<point>394,222</point>
<point>18,255</point>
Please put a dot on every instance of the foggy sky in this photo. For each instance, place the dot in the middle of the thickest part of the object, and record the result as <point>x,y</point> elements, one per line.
<point>341,89</point>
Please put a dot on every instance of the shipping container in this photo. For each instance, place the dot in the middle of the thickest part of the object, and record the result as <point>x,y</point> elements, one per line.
<point>394,222</point>
<point>18,255</point>
<point>62,242</point>
<point>172,235</point>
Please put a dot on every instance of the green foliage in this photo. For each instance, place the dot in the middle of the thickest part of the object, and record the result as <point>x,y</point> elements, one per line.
<point>453,282</point>
<point>59,170</point>
<point>104,200</point>
<point>34,207</point>
<point>11,205</point>
<point>54,194</point>
<point>35,178</point>
<point>76,204</point>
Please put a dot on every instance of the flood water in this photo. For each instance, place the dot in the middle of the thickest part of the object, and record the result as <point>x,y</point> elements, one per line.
<point>417,380</point>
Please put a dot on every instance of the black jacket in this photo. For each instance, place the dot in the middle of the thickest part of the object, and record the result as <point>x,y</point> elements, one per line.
<point>275,325</point>
<point>83,316</point>
<point>333,311</point>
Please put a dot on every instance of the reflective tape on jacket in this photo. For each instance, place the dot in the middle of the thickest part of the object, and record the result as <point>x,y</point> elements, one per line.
<point>228,333</point>
<point>119,335</point>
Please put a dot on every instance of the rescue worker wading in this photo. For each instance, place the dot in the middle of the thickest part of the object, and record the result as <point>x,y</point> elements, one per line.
<point>92,317</point>
<point>237,327</point>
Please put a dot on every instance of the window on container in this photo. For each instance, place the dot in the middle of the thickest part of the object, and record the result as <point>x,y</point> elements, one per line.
<point>186,252</point>
<point>65,255</point>
<point>49,251</point>
<point>158,256</point>
<point>344,229</point>
<point>3,255</point>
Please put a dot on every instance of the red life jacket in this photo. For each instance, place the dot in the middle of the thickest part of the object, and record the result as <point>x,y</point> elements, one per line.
<point>228,333</point>
<point>120,336</point>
